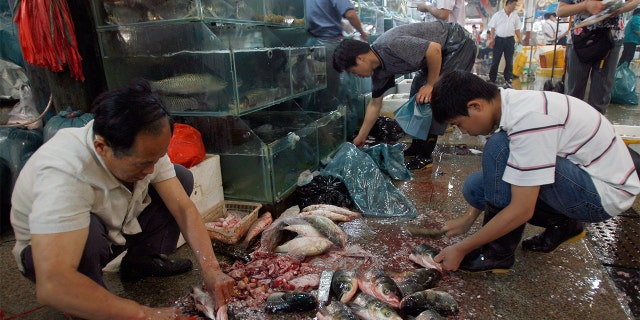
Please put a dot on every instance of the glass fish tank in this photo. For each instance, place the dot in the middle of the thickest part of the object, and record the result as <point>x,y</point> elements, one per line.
<point>262,153</point>
<point>203,69</point>
<point>332,132</point>
<point>186,64</point>
<point>127,12</point>
<point>371,16</point>
<point>273,12</point>
<point>308,69</point>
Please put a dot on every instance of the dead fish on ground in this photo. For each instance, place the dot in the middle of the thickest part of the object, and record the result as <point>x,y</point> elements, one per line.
<point>370,308</point>
<point>327,227</point>
<point>429,315</point>
<point>378,284</point>
<point>205,304</point>
<point>189,83</point>
<point>238,252</point>
<point>332,208</point>
<point>301,247</point>
<point>423,255</point>
<point>416,280</point>
<point>424,232</point>
<point>439,301</point>
<point>344,285</point>
<point>304,230</point>
<point>336,217</point>
<point>336,310</point>
<point>257,227</point>
<point>290,302</point>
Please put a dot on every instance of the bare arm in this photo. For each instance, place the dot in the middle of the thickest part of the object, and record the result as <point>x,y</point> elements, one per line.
<point>442,14</point>
<point>590,6</point>
<point>371,116</point>
<point>434,63</point>
<point>519,211</point>
<point>353,18</point>
<point>186,214</point>
<point>61,286</point>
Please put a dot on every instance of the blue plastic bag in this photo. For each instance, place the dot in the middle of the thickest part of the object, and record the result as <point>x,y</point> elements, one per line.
<point>414,118</point>
<point>624,86</point>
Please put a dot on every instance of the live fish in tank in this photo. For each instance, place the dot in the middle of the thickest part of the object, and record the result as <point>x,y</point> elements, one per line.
<point>189,83</point>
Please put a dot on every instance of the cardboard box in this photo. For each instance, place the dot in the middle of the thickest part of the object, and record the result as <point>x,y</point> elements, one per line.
<point>207,184</point>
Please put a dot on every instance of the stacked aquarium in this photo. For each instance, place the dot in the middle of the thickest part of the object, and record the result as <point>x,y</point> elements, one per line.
<point>220,68</point>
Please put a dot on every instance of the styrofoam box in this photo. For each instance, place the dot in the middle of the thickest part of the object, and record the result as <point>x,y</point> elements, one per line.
<point>629,134</point>
<point>404,86</point>
<point>392,102</point>
<point>207,183</point>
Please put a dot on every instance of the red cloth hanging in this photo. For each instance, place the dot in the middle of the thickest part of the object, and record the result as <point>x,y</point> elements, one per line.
<point>47,36</point>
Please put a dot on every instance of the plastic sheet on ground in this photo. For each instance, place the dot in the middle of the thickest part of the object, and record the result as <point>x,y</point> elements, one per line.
<point>369,187</point>
<point>390,160</point>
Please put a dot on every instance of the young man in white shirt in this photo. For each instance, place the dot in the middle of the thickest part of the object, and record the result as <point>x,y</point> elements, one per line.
<point>551,160</point>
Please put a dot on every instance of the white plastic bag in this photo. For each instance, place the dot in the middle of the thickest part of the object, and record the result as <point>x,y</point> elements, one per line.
<point>25,112</point>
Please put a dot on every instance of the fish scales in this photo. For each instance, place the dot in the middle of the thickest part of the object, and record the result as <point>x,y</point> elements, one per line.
<point>371,308</point>
<point>439,301</point>
<point>344,284</point>
<point>378,284</point>
<point>190,83</point>
<point>331,230</point>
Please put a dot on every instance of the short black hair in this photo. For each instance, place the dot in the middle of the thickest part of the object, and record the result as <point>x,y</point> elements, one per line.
<point>509,1</point>
<point>454,90</point>
<point>549,14</point>
<point>344,57</point>
<point>121,114</point>
<point>636,11</point>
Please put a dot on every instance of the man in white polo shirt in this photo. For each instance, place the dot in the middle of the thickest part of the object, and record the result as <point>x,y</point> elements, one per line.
<point>505,24</point>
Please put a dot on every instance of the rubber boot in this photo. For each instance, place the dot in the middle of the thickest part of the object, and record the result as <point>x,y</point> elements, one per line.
<point>559,229</point>
<point>424,159</point>
<point>414,148</point>
<point>496,256</point>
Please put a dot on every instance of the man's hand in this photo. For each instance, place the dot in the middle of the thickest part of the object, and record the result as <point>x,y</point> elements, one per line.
<point>450,257</point>
<point>594,6</point>
<point>424,94</point>
<point>423,6</point>
<point>359,141</point>
<point>220,287</point>
<point>458,226</point>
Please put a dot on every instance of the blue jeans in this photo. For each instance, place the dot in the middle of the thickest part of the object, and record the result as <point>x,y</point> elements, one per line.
<point>573,193</point>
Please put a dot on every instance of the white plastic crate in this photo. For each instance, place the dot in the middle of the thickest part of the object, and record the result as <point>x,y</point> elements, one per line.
<point>392,102</point>
<point>207,184</point>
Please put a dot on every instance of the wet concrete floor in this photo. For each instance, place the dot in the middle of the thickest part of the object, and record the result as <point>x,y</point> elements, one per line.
<point>570,283</point>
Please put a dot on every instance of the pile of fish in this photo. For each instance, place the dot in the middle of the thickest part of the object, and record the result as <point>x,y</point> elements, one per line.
<point>376,294</point>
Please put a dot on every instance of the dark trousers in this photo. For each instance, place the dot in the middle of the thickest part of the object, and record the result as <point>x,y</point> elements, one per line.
<point>160,233</point>
<point>502,46</point>
<point>628,51</point>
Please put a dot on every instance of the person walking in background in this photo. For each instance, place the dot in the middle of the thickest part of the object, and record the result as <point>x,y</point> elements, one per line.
<point>600,71</point>
<point>631,38</point>
<point>324,28</point>
<point>445,10</point>
<point>551,161</point>
<point>504,24</point>
<point>549,28</point>
<point>425,48</point>
<point>486,47</point>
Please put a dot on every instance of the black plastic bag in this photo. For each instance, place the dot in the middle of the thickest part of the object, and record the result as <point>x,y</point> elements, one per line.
<point>324,190</point>
<point>386,130</point>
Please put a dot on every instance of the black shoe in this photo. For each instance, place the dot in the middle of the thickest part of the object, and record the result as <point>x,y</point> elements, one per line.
<point>496,256</point>
<point>415,148</point>
<point>553,236</point>
<point>419,163</point>
<point>481,261</point>
<point>136,268</point>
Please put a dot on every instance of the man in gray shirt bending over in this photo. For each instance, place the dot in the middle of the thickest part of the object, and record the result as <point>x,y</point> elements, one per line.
<point>428,48</point>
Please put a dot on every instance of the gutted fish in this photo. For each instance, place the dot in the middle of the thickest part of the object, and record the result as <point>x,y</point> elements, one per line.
<point>423,255</point>
<point>300,247</point>
<point>416,280</point>
<point>439,301</point>
<point>370,308</point>
<point>189,83</point>
<point>290,302</point>
<point>378,284</point>
<point>336,310</point>
<point>344,285</point>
